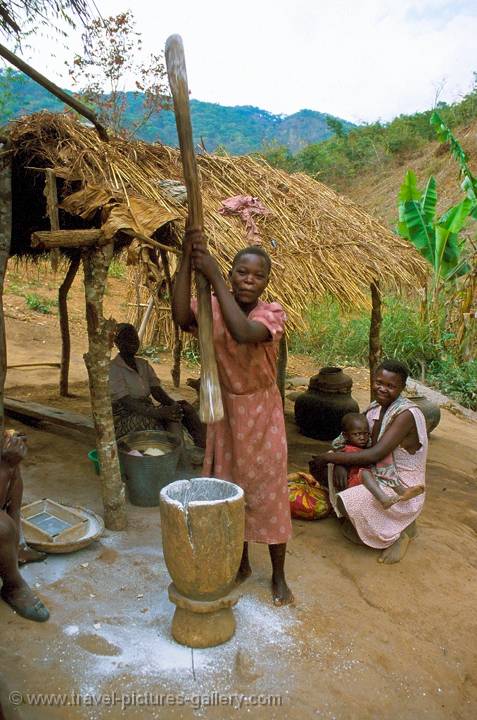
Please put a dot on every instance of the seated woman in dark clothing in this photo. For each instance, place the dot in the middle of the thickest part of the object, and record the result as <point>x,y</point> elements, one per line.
<point>133,384</point>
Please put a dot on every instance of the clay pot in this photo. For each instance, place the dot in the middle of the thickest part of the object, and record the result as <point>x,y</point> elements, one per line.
<point>430,410</point>
<point>318,411</point>
<point>202,525</point>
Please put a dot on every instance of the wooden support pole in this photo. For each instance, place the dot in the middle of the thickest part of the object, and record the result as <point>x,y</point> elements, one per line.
<point>100,340</point>
<point>282,361</point>
<point>145,318</point>
<point>5,241</point>
<point>67,238</point>
<point>177,348</point>
<point>64,324</point>
<point>51,196</point>
<point>374,333</point>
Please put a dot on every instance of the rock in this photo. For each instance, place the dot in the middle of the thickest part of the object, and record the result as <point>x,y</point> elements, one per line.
<point>297,382</point>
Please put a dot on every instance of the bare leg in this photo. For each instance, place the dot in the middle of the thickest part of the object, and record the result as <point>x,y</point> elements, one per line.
<point>349,531</point>
<point>341,507</point>
<point>281,593</point>
<point>191,421</point>
<point>411,530</point>
<point>371,484</point>
<point>407,493</point>
<point>340,477</point>
<point>15,590</point>
<point>244,570</point>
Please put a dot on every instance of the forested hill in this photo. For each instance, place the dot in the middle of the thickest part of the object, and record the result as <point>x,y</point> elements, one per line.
<point>239,130</point>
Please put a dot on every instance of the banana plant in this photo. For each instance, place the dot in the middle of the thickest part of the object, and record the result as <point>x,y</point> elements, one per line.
<point>436,239</point>
<point>469,181</point>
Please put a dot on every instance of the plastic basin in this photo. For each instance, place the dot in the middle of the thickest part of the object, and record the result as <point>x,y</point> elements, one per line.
<point>145,476</point>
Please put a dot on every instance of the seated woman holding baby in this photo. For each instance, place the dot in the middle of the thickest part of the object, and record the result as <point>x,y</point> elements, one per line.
<point>380,467</point>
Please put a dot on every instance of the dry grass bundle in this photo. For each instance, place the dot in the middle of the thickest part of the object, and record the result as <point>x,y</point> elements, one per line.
<point>320,242</point>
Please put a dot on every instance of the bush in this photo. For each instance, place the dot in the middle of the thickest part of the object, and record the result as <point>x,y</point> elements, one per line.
<point>39,304</point>
<point>339,338</point>
<point>455,379</point>
<point>116,269</point>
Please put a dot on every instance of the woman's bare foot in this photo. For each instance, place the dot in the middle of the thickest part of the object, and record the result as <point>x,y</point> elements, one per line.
<point>24,602</point>
<point>27,554</point>
<point>243,573</point>
<point>395,552</point>
<point>281,593</point>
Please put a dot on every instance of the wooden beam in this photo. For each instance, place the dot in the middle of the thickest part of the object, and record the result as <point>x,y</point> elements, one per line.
<point>27,411</point>
<point>32,365</point>
<point>67,238</point>
<point>51,196</point>
<point>5,241</point>
<point>177,348</point>
<point>149,308</point>
<point>149,241</point>
<point>55,90</point>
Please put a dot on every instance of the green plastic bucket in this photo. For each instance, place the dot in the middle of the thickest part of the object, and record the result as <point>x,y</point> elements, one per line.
<point>93,456</point>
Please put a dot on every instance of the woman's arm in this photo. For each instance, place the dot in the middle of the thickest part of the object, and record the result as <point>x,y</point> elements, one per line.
<point>159,394</point>
<point>181,296</point>
<point>402,425</point>
<point>138,407</point>
<point>240,327</point>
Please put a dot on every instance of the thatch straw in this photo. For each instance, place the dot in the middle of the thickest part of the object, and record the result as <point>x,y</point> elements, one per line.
<point>320,242</point>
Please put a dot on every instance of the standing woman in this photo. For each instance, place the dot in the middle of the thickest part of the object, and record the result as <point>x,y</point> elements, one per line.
<point>247,447</point>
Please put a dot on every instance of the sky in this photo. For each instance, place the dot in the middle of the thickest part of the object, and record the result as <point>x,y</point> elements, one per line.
<point>361,60</point>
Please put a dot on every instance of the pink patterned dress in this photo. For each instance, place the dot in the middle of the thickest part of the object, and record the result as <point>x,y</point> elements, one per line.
<point>249,446</point>
<point>377,527</point>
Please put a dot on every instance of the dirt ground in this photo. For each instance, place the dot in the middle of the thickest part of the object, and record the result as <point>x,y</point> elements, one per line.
<point>363,641</point>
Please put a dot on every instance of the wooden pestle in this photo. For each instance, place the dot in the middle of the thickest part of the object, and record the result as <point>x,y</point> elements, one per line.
<point>211,408</point>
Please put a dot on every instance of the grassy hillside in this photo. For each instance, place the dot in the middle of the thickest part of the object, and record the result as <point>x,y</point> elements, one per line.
<point>239,130</point>
<point>377,187</point>
<point>369,162</point>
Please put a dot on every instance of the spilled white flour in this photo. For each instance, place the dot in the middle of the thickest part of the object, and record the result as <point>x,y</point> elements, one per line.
<point>145,648</point>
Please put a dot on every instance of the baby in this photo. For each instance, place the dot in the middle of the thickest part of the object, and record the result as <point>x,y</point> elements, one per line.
<point>355,435</point>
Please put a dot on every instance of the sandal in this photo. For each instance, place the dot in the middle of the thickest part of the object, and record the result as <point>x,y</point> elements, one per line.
<point>37,612</point>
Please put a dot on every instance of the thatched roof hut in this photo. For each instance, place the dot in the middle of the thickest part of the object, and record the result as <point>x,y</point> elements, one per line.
<point>320,242</point>
<point>64,190</point>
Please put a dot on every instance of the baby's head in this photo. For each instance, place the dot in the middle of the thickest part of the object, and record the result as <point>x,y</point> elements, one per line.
<point>354,427</point>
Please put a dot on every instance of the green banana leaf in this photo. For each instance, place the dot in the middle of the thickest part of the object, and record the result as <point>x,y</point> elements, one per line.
<point>420,233</point>
<point>429,200</point>
<point>409,189</point>
<point>447,249</point>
